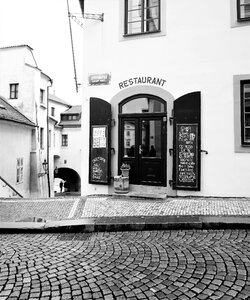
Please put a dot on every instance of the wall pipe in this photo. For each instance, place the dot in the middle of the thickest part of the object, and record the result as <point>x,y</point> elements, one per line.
<point>48,159</point>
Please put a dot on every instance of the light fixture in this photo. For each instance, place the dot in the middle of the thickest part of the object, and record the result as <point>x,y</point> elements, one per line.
<point>45,166</point>
<point>56,171</point>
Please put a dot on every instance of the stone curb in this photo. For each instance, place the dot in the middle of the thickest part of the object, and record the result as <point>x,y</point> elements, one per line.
<point>128,224</point>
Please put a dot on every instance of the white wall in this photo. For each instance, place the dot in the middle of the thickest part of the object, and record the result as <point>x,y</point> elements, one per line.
<point>16,139</point>
<point>71,153</point>
<point>200,51</point>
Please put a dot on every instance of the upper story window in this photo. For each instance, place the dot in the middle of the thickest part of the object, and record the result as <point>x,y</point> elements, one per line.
<point>41,138</point>
<point>52,111</point>
<point>243,10</point>
<point>42,93</point>
<point>70,117</point>
<point>19,170</point>
<point>245,112</point>
<point>142,16</point>
<point>14,90</point>
<point>64,140</point>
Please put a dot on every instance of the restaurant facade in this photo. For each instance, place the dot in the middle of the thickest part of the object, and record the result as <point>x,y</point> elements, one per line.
<point>166,90</point>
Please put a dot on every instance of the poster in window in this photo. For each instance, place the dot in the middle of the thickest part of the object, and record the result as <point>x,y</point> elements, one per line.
<point>99,154</point>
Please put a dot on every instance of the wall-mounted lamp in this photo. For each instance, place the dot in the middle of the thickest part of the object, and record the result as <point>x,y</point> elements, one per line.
<point>45,166</point>
<point>112,122</point>
<point>56,171</point>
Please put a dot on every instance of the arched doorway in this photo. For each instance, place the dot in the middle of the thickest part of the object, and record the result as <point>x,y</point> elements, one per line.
<point>70,177</point>
<point>143,138</point>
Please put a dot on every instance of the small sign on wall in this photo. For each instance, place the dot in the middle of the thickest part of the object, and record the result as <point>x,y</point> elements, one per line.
<point>98,79</point>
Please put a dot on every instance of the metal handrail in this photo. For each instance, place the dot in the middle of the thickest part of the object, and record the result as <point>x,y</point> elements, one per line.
<point>1,178</point>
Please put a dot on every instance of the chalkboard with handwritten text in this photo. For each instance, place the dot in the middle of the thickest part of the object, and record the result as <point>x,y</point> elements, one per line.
<point>186,156</point>
<point>99,154</point>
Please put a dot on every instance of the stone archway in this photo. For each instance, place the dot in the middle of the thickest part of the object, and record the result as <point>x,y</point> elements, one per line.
<point>71,177</point>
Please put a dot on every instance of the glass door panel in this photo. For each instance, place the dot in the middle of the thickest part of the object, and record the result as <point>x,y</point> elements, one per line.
<point>151,135</point>
<point>129,139</point>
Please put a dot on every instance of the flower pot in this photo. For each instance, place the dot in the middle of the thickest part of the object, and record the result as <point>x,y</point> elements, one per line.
<point>125,172</point>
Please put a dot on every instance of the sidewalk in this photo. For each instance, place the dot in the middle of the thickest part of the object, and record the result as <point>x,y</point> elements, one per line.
<point>116,212</point>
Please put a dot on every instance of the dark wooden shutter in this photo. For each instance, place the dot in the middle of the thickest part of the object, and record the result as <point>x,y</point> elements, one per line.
<point>100,134</point>
<point>187,142</point>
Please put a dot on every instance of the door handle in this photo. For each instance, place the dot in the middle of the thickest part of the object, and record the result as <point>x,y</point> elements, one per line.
<point>140,150</point>
<point>205,151</point>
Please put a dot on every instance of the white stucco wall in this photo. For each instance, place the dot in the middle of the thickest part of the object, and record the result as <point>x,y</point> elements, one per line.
<point>70,156</point>
<point>19,66</point>
<point>16,139</point>
<point>200,49</point>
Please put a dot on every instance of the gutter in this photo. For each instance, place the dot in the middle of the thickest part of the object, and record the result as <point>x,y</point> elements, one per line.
<point>48,159</point>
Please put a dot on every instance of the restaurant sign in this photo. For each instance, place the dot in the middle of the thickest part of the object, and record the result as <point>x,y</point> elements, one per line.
<point>141,80</point>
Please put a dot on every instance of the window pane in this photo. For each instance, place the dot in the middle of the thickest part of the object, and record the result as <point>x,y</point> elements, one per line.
<point>142,16</point>
<point>143,105</point>
<point>151,138</point>
<point>129,138</point>
<point>247,135</point>
<point>244,8</point>
<point>134,16</point>
<point>247,119</point>
<point>244,1</point>
<point>151,13</point>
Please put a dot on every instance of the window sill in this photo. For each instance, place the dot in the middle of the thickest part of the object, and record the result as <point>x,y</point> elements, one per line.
<point>141,33</point>
<point>243,20</point>
<point>43,106</point>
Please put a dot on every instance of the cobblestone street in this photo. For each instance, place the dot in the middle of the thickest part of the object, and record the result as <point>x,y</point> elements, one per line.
<point>186,264</point>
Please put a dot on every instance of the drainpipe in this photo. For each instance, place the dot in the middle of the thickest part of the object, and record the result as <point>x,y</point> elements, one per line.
<point>48,160</point>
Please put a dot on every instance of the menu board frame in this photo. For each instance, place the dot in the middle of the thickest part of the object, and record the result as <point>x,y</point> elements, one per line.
<point>99,156</point>
<point>193,166</point>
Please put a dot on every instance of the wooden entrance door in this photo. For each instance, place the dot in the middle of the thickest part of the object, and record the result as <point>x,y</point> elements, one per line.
<point>143,147</point>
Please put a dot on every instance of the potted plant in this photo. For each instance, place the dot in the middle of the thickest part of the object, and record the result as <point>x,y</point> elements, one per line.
<point>125,169</point>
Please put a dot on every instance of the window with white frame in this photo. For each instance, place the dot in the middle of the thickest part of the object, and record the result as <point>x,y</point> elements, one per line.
<point>64,140</point>
<point>142,16</point>
<point>19,170</point>
<point>245,112</point>
<point>243,10</point>
<point>14,90</point>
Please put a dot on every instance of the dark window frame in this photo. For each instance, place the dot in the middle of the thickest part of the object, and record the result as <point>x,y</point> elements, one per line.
<point>239,17</point>
<point>42,96</point>
<point>52,111</point>
<point>14,90</point>
<point>65,140</point>
<point>242,108</point>
<point>143,19</point>
<point>41,138</point>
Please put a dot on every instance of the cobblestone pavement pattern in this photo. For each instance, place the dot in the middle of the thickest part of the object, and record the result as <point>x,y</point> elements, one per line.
<point>95,207</point>
<point>187,264</point>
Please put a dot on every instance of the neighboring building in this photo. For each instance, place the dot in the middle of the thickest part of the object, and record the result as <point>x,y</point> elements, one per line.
<point>177,73</point>
<point>52,142</point>
<point>17,138</point>
<point>25,87</point>
<point>69,161</point>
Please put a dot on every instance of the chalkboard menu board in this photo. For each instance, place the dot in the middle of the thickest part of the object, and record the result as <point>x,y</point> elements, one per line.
<point>99,154</point>
<point>187,173</point>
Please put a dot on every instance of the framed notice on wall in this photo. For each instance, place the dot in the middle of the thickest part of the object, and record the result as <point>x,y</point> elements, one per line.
<point>187,157</point>
<point>99,154</point>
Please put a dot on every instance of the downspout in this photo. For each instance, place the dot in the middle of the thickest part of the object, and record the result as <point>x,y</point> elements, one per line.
<point>48,160</point>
